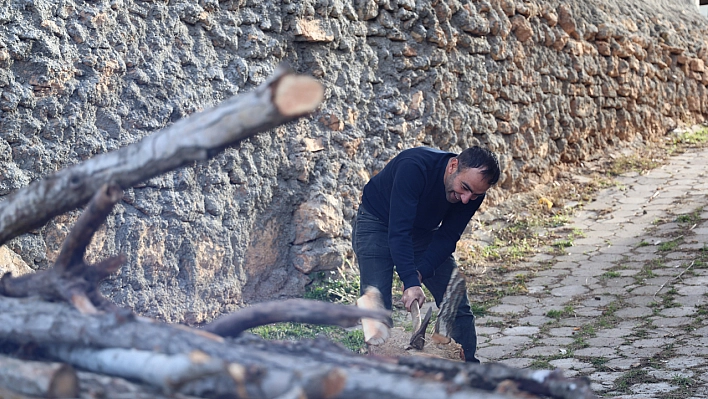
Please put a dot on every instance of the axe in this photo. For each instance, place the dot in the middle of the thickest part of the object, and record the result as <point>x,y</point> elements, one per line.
<point>419,326</point>
<point>454,292</point>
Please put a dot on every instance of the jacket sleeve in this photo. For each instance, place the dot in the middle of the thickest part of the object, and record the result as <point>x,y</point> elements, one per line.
<point>408,186</point>
<point>446,237</point>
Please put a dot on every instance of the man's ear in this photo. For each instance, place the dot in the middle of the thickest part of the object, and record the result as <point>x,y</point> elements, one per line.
<point>452,165</point>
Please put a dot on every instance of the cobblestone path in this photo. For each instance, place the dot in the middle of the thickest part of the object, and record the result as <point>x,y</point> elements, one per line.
<point>625,305</point>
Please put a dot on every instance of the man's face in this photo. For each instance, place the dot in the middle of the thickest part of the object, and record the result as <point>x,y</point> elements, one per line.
<point>463,185</point>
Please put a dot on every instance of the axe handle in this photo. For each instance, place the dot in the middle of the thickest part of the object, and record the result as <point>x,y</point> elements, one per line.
<point>415,316</point>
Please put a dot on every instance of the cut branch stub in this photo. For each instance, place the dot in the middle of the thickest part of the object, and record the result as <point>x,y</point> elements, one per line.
<point>74,246</point>
<point>297,95</point>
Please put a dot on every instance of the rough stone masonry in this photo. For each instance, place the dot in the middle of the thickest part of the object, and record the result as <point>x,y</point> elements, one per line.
<point>545,84</point>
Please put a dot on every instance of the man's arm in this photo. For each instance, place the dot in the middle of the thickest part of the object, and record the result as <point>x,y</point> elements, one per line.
<point>445,239</point>
<point>408,186</point>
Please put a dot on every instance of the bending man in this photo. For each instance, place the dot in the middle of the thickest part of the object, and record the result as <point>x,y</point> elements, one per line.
<point>411,216</point>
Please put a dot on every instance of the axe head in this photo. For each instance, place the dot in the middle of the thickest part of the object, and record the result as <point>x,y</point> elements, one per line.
<point>456,289</point>
<point>419,326</point>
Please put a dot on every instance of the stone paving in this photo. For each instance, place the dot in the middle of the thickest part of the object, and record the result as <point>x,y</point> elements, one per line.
<point>624,306</point>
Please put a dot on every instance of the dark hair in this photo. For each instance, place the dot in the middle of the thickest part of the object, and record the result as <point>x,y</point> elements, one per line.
<point>482,158</point>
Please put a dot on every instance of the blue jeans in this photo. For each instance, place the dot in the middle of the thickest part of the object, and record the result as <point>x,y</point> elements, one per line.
<point>370,243</point>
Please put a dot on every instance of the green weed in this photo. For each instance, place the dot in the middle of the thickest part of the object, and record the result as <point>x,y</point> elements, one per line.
<point>669,245</point>
<point>567,311</point>
<point>696,137</point>
<point>340,286</point>
<point>354,340</point>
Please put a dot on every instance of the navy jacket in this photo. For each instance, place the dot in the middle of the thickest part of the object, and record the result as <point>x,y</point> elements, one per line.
<point>409,193</point>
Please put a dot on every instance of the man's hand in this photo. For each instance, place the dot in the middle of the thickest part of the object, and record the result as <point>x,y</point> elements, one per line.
<point>414,293</point>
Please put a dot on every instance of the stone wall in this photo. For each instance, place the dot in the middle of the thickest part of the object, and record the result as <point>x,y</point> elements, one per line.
<point>542,83</point>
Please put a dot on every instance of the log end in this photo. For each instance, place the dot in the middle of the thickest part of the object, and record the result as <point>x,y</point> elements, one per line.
<point>297,95</point>
<point>64,384</point>
<point>333,383</point>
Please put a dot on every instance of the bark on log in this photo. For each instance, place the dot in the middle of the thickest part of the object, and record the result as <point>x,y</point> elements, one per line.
<point>283,368</point>
<point>40,379</point>
<point>168,372</point>
<point>282,98</point>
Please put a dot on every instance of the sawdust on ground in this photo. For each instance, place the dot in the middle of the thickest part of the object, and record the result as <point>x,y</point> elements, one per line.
<point>397,346</point>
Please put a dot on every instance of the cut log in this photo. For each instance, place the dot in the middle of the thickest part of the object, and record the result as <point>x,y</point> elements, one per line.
<point>282,98</point>
<point>41,379</point>
<point>168,372</point>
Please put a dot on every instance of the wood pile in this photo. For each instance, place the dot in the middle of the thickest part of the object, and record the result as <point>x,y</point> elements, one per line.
<point>60,338</point>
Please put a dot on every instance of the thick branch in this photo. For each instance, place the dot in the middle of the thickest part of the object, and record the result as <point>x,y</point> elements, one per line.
<point>281,99</point>
<point>167,372</point>
<point>296,311</point>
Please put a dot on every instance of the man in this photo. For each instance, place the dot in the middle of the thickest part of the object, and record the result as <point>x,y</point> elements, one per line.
<point>411,216</point>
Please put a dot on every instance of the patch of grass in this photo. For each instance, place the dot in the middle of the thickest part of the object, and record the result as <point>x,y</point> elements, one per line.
<point>563,243</point>
<point>491,251</point>
<point>682,381</point>
<point>587,330</point>
<point>611,274</point>
<point>558,220</point>
<point>643,244</point>
<point>543,362</point>
<point>577,233</point>
<point>693,217</point>
<point>579,342</point>
<point>646,272</point>
<point>519,250</point>
<point>479,309</point>
<point>598,362</point>
<point>692,138</point>
<point>669,245</point>
<point>354,340</point>
<point>631,377</point>
<point>641,333</point>
<point>340,286</point>
<point>633,163</point>
<point>567,311</point>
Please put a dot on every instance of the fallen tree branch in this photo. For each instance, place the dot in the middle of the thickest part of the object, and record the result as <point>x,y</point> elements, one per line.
<point>296,311</point>
<point>284,97</point>
<point>675,278</point>
<point>39,379</point>
<point>168,372</point>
